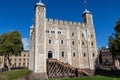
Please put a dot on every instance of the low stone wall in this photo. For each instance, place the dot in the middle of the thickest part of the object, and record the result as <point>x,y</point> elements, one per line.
<point>36,76</point>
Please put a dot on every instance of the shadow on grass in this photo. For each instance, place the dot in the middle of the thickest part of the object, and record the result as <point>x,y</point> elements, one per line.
<point>108,73</point>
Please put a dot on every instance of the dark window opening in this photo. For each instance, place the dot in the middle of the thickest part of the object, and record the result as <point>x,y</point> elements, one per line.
<point>49,54</point>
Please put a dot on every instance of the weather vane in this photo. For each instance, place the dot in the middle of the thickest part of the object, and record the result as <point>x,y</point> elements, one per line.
<point>85,4</point>
<point>40,1</point>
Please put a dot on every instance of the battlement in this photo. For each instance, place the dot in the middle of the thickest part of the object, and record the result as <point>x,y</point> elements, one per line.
<point>55,21</point>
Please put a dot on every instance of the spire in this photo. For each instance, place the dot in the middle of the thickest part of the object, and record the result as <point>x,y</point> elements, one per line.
<point>85,6</point>
<point>40,3</point>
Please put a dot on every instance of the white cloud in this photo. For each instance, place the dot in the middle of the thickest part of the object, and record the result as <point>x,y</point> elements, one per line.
<point>25,43</point>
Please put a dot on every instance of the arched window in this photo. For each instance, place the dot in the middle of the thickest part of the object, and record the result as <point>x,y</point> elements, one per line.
<point>91,36</point>
<point>84,55</point>
<point>73,54</point>
<point>61,41</point>
<point>62,53</point>
<point>92,43</point>
<point>73,43</point>
<point>50,41</point>
<point>50,55</point>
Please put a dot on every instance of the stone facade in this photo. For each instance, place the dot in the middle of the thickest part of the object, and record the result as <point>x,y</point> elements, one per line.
<point>70,42</point>
<point>1,62</point>
<point>20,61</point>
<point>106,59</point>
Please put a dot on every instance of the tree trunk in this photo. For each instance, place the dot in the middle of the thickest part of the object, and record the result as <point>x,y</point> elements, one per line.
<point>9,63</point>
<point>113,58</point>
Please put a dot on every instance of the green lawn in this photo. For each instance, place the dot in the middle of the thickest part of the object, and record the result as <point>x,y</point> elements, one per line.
<point>98,77</point>
<point>13,74</point>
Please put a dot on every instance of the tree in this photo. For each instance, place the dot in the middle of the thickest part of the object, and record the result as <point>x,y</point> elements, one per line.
<point>10,44</point>
<point>114,41</point>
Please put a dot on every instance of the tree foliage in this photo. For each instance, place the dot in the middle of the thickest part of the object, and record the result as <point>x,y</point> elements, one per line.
<point>11,44</point>
<point>114,40</point>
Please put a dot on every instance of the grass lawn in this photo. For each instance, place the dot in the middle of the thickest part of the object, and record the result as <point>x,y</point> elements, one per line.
<point>97,77</point>
<point>13,74</point>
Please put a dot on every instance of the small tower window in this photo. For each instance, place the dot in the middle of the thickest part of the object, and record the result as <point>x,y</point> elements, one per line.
<point>73,42</point>
<point>72,34</point>
<point>73,54</point>
<point>84,55</point>
<point>92,43</point>
<point>91,36</point>
<point>61,41</point>
<point>49,41</point>
<point>83,43</point>
<point>93,54</point>
<point>62,53</point>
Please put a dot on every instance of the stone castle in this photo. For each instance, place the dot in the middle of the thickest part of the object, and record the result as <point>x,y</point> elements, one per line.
<point>70,42</point>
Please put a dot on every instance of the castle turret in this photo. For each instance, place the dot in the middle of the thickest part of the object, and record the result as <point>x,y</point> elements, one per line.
<point>90,39</point>
<point>87,16</point>
<point>40,38</point>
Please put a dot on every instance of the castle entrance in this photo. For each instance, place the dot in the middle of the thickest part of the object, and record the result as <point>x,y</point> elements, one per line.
<point>50,55</point>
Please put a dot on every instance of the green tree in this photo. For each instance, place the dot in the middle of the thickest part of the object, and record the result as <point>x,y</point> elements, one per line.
<point>10,44</point>
<point>114,41</point>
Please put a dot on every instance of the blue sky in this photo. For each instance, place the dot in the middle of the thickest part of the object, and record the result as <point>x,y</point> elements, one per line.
<point>19,14</point>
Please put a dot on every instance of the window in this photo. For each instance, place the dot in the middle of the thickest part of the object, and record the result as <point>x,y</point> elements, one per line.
<point>91,36</point>
<point>15,64</point>
<point>24,64</point>
<point>20,59</point>
<point>52,31</point>
<point>82,35</point>
<point>83,43</point>
<point>92,43</point>
<point>61,41</point>
<point>73,43</point>
<point>72,34</point>
<point>47,31</point>
<point>50,54</point>
<point>59,32</point>
<point>19,64</point>
<point>49,41</point>
<point>84,55</point>
<point>62,54</point>
<point>73,54</point>
<point>93,54</point>
<point>24,55</point>
<point>24,59</point>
